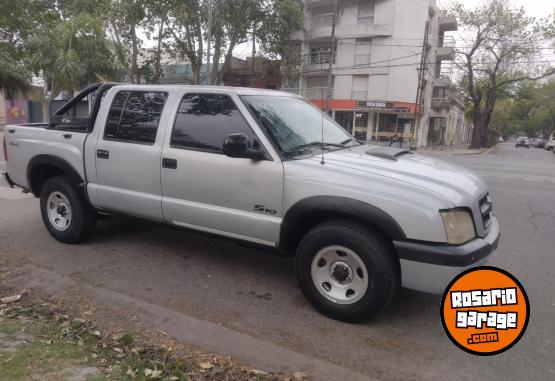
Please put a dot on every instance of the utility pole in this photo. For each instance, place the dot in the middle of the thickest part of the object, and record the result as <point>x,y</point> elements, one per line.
<point>209,42</point>
<point>327,106</point>
<point>253,52</point>
<point>420,88</point>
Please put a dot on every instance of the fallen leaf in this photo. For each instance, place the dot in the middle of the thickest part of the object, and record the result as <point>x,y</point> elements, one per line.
<point>94,355</point>
<point>206,365</point>
<point>10,299</point>
<point>258,372</point>
<point>119,350</point>
<point>299,376</point>
<point>130,372</point>
<point>95,333</point>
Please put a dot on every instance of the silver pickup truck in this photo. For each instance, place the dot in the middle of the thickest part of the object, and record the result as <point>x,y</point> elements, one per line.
<point>265,167</point>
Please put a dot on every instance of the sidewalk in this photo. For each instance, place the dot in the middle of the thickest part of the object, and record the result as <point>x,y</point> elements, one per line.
<point>461,150</point>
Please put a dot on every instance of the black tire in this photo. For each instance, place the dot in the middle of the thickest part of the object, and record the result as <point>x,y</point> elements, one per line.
<point>374,250</point>
<point>83,217</point>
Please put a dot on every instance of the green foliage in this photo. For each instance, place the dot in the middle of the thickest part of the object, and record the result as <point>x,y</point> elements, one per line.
<point>70,52</point>
<point>14,77</point>
<point>502,47</point>
<point>530,111</point>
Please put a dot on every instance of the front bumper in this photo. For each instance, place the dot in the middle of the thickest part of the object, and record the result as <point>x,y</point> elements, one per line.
<point>429,267</point>
<point>5,180</point>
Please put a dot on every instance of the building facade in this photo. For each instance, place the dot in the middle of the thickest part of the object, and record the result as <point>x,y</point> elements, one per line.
<point>380,49</point>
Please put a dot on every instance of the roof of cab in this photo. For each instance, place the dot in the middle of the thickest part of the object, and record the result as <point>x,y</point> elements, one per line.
<point>225,89</point>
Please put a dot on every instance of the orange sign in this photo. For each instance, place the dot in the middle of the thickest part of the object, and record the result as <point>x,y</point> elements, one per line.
<point>485,311</point>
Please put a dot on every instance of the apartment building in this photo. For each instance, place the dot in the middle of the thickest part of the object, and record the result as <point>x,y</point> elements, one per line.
<point>376,61</point>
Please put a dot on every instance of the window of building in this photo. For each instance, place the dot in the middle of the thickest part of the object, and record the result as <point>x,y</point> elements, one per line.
<point>321,55</point>
<point>387,123</point>
<point>134,116</point>
<point>359,90</point>
<point>204,120</point>
<point>345,119</point>
<point>361,120</point>
<point>366,11</point>
<point>363,50</point>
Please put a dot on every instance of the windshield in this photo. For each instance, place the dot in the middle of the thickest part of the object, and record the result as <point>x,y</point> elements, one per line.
<point>295,125</point>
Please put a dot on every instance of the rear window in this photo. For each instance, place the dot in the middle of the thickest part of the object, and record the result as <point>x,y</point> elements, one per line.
<point>134,116</point>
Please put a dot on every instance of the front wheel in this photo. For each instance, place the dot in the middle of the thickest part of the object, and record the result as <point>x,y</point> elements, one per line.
<point>347,271</point>
<point>65,213</point>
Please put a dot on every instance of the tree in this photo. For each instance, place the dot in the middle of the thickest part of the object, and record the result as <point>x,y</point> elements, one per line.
<point>68,54</point>
<point>503,48</point>
<point>186,20</point>
<point>14,77</point>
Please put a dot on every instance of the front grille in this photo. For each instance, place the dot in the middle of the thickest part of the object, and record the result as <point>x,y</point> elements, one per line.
<point>486,210</point>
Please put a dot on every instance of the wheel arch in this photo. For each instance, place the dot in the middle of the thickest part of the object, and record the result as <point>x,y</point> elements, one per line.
<point>309,212</point>
<point>41,168</point>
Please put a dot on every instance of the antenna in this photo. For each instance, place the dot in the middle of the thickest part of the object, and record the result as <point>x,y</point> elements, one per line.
<point>322,126</point>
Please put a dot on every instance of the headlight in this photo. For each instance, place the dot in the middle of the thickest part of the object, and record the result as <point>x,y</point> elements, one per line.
<point>458,226</point>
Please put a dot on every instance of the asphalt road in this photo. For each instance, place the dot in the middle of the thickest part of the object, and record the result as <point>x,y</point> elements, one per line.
<point>224,297</point>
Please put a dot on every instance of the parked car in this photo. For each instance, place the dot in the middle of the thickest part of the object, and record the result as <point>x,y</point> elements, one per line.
<point>248,164</point>
<point>522,143</point>
<point>550,144</point>
<point>540,143</point>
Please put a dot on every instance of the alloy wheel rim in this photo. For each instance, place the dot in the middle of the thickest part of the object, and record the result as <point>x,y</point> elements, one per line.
<point>59,211</point>
<point>339,274</point>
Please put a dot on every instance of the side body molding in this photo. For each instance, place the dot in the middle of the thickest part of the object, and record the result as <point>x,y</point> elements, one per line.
<point>313,210</point>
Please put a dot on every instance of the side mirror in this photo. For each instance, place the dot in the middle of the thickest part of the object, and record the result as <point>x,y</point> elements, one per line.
<point>239,146</point>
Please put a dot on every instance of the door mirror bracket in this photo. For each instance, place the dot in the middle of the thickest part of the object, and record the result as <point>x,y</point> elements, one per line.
<point>239,146</point>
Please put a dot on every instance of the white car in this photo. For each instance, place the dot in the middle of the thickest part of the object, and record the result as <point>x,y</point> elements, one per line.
<point>550,144</point>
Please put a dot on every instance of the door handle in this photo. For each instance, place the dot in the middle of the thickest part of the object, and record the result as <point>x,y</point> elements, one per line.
<point>67,136</point>
<point>102,154</point>
<point>169,163</point>
<point>11,130</point>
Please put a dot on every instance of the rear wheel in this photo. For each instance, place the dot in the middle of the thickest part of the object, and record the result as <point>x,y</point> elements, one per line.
<point>346,271</point>
<point>65,213</point>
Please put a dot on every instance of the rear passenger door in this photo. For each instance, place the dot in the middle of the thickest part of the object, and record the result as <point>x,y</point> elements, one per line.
<point>128,154</point>
<point>206,190</point>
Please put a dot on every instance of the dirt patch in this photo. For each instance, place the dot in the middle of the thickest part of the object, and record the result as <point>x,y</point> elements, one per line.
<point>42,340</point>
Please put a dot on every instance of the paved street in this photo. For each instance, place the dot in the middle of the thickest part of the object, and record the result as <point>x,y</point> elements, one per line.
<point>223,297</point>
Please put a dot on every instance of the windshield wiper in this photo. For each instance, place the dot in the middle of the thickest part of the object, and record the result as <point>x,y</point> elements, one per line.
<point>317,144</point>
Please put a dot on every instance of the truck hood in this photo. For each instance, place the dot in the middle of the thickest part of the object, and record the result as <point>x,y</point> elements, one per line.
<point>454,182</point>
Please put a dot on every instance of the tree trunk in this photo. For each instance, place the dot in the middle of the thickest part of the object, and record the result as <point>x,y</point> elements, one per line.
<point>478,127</point>
<point>135,76</point>
<point>158,58</point>
<point>214,75</point>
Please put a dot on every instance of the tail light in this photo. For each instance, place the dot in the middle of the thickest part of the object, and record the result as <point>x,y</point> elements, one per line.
<point>5,149</point>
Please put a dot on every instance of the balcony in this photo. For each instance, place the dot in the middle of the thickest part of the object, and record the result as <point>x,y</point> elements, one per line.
<point>446,49</point>
<point>316,93</point>
<point>448,23</point>
<point>443,78</point>
<point>440,103</point>
<point>319,27</point>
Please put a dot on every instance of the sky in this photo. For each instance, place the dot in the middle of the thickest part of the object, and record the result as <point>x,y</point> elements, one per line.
<point>534,8</point>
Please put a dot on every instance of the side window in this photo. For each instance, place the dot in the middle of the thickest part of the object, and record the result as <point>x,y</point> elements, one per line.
<point>134,116</point>
<point>204,120</point>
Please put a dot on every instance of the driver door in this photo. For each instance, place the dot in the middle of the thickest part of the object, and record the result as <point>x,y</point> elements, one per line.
<point>206,190</point>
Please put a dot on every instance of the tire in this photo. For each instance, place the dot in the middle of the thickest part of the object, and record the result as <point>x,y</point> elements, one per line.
<point>65,213</point>
<point>335,242</point>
